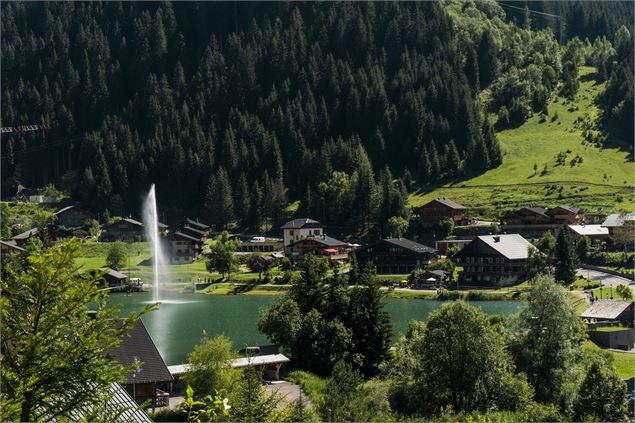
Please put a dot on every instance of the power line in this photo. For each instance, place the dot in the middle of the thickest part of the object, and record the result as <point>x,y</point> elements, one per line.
<point>530,11</point>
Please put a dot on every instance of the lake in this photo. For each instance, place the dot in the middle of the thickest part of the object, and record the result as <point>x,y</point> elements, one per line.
<point>180,320</point>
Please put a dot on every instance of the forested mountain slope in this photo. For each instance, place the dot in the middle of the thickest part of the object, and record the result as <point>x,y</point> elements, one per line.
<point>236,109</point>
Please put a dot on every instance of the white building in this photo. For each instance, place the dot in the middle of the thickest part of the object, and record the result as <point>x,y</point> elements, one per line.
<point>298,229</point>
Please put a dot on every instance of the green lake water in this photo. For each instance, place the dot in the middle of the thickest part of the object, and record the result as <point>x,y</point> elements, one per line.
<point>180,320</point>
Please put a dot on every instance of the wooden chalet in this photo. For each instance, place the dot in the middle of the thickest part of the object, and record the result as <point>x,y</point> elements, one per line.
<point>396,255</point>
<point>72,217</point>
<point>321,245</point>
<point>527,216</point>
<point>493,260</point>
<point>152,380</point>
<point>196,225</point>
<point>595,233</point>
<point>566,215</point>
<point>184,248</point>
<point>443,208</point>
<point>127,229</point>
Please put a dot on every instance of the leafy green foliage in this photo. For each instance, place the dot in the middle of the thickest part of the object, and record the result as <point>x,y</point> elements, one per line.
<point>209,408</point>
<point>117,254</point>
<point>50,345</point>
<point>249,399</point>
<point>221,257</point>
<point>210,368</point>
<point>547,341</point>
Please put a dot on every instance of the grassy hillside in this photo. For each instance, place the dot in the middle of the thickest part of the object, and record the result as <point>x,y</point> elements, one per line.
<point>603,180</point>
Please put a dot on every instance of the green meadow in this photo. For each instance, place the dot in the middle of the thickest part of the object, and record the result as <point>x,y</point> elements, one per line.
<point>602,180</point>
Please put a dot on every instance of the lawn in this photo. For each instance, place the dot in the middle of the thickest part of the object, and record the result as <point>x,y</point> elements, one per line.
<point>609,329</point>
<point>603,180</point>
<point>624,364</point>
<point>312,385</point>
<point>582,284</point>
<point>605,293</point>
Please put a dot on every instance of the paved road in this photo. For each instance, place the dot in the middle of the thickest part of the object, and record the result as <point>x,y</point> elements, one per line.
<point>606,279</point>
<point>289,391</point>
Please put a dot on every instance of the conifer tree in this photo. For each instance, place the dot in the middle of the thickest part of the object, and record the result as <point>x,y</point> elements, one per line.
<point>566,257</point>
<point>219,200</point>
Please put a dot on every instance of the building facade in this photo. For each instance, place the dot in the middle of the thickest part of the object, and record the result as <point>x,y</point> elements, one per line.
<point>127,229</point>
<point>494,260</point>
<point>298,229</point>
<point>72,217</point>
<point>321,245</point>
<point>396,255</point>
<point>442,208</point>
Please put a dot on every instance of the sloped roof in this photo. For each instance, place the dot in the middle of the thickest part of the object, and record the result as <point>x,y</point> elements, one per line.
<point>186,236</point>
<point>12,244</point>
<point>301,223</point>
<point>67,208</point>
<point>113,273</point>
<point>120,407</point>
<point>139,344</point>
<point>26,234</point>
<point>410,245</point>
<point>537,210</point>
<point>512,246</point>
<point>324,240</point>
<point>196,223</point>
<point>131,221</point>
<point>606,309</point>
<point>448,203</point>
<point>574,210</point>
<point>192,229</point>
<point>589,229</point>
<point>616,220</point>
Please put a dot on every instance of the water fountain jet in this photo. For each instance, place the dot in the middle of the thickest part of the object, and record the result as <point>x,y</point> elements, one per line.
<point>151,225</point>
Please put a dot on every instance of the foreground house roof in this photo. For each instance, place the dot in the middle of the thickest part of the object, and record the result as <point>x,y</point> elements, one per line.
<point>511,246</point>
<point>301,223</point>
<point>139,344</point>
<point>606,309</point>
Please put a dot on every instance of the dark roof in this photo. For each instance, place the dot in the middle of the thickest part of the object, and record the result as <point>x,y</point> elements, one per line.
<point>198,224</point>
<point>139,344</point>
<point>196,231</point>
<point>574,210</point>
<point>129,220</point>
<point>12,244</point>
<point>186,236</point>
<point>410,245</point>
<point>301,223</point>
<point>26,234</point>
<point>67,208</point>
<point>322,239</point>
<point>537,210</point>
<point>449,203</point>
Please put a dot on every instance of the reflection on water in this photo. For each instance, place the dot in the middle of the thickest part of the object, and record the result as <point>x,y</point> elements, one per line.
<point>179,322</point>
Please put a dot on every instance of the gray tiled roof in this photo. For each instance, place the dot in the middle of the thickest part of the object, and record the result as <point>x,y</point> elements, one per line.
<point>538,210</point>
<point>410,245</point>
<point>26,234</point>
<point>300,223</point>
<point>606,309</point>
<point>12,244</point>
<point>512,246</point>
<point>323,239</point>
<point>199,225</point>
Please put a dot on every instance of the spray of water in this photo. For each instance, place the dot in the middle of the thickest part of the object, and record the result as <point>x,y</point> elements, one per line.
<point>151,224</point>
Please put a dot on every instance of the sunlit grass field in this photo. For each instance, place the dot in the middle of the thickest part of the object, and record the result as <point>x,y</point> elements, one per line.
<point>604,180</point>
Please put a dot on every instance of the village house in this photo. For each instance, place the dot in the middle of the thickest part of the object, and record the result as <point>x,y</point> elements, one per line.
<point>321,245</point>
<point>610,311</point>
<point>127,229</point>
<point>595,233</point>
<point>194,232</point>
<point>492,260</point>
<point>297,229</point>
<point>22,238</point>
<point>527,216</point>
<point>152,380</point>
<point>112,279</point>
<point>442,208</point>
<point>72,217</point>
<point>396,255</point>
<point>196,225</point>
<point>183,248</point>
<point>566,215</point>
<point>617,220</point>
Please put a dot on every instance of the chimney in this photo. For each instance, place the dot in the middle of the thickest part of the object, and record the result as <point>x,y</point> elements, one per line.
<point>497,239</point>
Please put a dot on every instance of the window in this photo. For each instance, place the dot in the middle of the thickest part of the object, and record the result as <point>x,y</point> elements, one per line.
<point>291,233</point>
